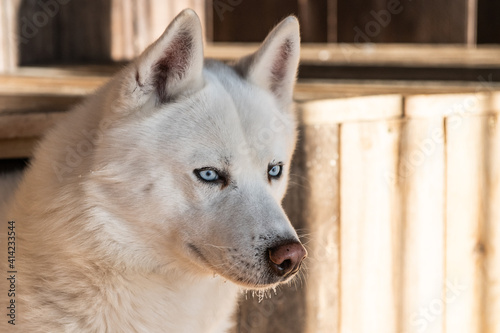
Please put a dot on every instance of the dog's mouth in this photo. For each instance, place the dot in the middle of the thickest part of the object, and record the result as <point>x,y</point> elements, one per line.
<point>265,269</point>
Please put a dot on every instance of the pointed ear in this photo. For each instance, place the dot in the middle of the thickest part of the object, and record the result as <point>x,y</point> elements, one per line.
<point>173,64</point>
<point>274,65</point>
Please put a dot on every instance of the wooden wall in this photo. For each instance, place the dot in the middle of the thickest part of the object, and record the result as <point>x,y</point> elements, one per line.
<point>488,24</point>
<point>362,21</point>
<point>83,31</point>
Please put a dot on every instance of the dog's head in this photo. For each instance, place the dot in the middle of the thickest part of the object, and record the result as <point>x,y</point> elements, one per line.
<point>196,154</point>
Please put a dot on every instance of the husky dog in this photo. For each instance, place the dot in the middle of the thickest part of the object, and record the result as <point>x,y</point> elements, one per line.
<point>157,190</point>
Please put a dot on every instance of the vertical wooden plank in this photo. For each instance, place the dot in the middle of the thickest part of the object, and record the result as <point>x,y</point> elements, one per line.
<point>142,24</point>
<point>466,217</point>
<point>11,33</point>
<point>469,190</point>
<point>122,32</point>
<point>64,31</point>
<point>488,24</point>
<point>471,31</point>
<point>4,37</point>
<point>321,153</point>
<point>36,32</point>
<point>209,21</point>
<point>83,31</point>
<point>492,232</point>
<point>332,21</point>
<point>313,17</point>
<point>96,30</point>
<point>159,13</point>
<point>370,227</point>
<point>361,21</point>
<point>422,171</point>
<point>248,21</point>
<point>280,312</point>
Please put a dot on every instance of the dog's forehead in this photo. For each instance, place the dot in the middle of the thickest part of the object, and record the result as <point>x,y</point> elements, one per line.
<point>239,120</point>
<point>257,109</point>
<point>264,126</point>
<point>228,118</point>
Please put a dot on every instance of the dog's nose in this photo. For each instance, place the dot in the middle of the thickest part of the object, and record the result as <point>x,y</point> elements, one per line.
<point>285,259</point>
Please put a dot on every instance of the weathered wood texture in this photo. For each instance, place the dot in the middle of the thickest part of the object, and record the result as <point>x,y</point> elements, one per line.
<point>137,23</point>
<point>362,21</point>
<point>9,35</point>
<point>322,226</point>
<point>422,245</point>
<point>488,24</point>
<point>54,34</point>
<point>404,55</point>
<point>93,31</point>
<point>421,173</point>
<point>370,224</point>
<point>63,31</point>
<point>250,21</point>
<point>320,210</point>
<point>469,294</point>
<point>466,220</point>
<point>492,228</point>
<point>385,61</point>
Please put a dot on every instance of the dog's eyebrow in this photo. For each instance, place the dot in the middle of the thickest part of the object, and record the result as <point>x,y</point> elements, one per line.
<point>273,162</point>
<point>226,160</point>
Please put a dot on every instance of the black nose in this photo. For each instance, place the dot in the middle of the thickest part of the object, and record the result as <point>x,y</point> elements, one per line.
<point>285,259</point>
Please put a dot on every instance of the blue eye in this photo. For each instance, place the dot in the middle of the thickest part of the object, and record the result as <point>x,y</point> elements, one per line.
<point>208,175</point>
<point>274,171</point>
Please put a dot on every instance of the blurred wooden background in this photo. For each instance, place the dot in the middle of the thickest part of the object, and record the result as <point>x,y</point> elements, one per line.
<point>41,32</point>
<point>396,180</point>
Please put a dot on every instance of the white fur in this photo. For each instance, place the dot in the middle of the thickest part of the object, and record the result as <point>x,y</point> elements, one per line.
<point>114,231</point>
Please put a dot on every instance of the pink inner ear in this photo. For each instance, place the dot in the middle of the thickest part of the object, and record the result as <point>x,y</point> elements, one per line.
<point>280,66</point>
<point>173,65</point>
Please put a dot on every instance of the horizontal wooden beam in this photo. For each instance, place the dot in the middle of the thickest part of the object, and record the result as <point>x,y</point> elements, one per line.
<point>32,99</point>
<point>381,55</point>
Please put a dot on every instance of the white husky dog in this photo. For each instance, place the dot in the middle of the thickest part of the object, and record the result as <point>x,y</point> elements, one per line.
<point>141,204</point>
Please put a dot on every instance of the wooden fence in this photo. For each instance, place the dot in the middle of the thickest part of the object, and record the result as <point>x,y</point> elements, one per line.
<point>401,205</point>
<point>397,198</point>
